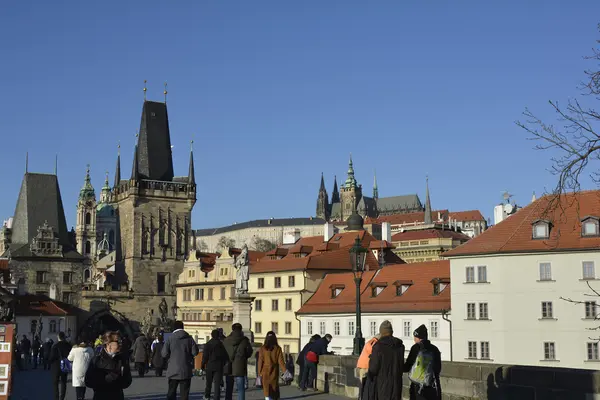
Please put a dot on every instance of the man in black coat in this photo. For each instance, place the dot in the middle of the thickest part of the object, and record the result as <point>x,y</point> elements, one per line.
<point>59,351</point>
<point>35,351</point>
<point>46,350</point>
<point>214,358</point>
<point>433,392</point>
<point>25,350</point>
<point>386,364</point>
<point>239,350</point>
<point>179,351</point>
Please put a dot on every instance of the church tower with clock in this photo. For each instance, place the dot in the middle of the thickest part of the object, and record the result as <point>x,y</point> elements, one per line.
<point>85,231</point>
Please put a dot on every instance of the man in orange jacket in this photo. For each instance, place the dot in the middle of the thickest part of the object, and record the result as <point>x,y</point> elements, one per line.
<point>363,362</point>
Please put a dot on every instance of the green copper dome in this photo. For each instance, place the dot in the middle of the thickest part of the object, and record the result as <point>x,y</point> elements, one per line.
<point>87,191</point>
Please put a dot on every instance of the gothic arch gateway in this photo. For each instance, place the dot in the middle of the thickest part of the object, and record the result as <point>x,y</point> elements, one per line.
<point>105,320</point>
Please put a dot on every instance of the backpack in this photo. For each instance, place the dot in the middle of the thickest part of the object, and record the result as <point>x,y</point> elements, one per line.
<point>422,372</point>
<point>65,364</point>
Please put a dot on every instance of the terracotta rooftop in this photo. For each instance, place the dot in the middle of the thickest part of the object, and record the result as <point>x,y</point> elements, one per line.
<point>34,305</point>
<point>515,234</point>
<point>407,218</point>
<point>418,297</point>
<point>429,234</point>
<point>471,215</point>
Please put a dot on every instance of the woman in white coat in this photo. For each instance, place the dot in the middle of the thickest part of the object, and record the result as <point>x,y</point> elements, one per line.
<point>80,356</point>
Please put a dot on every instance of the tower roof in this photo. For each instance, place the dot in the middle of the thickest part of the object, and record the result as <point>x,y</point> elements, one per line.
<point>87,190</point>
<point>428,218</point>
<point>322,188</point>
<point>118,168</point>
<point>154,157</point>
<point>191,173</point>
<point>350,181</point>
<point>335,195</point>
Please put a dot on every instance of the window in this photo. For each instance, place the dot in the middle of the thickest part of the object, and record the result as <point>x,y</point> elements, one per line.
<point>88,247</point>
<point>208,316</point>
<point>309,328</point>
<point>472,348</point>
<point>434,329</point>
<point>186,294</point>
<point>161,279</point>
<point>199,294</point>
<point>275,327</point>
<point>336,328</point>
<point>590,309</point>
<point>288,304</point>
<point>541,230</point>
<point>549,351</point>
<point>88,218</point>
<point>87,275</point>
<point>67,297</point>
<point>401,289</point>
<point>286,348</point>
<point>288,328</point>
<point>210,293</point>
<point>231,292</point>
<point>592,351</point>
<point>223,293</point>
<point>545,272</point>
<point>277,282</point>
<point>40,277</point>
<point>258,305</point>
<point>407,331</point>
<point>589,227</point>
<point>373,325</point>
<point>589,272</point>
<point>471,311</point>
<point>274,305</point>
<point>547,311</point>
<point>482,273</point>
<point>52,326</point>
<point>351,330</point>
<point>335,291</point>
<point>483,311</point>
<point>322,328</point>
<point>470,274</point>
<point>67,278</point>
<point>376,290</point>
<point>485,350</point>
<point>261,283</point>
<point>291,281</point>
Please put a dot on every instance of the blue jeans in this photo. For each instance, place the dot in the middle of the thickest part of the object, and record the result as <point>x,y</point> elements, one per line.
<point>240,384</point>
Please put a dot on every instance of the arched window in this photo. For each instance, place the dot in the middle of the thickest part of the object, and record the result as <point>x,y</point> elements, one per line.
<point>52,326</point>
<point>88,247</point>
<point>88,218</point>
<point>111,238</point>
<point>86,275</point>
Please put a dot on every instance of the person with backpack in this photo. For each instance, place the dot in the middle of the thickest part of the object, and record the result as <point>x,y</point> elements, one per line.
<point>239,350</point>
<point>424,365</point>
<point>109,373</point>
<point>386,364</point>
<point>59,366</point>
<point>214,358</point>
<point>367,385</point>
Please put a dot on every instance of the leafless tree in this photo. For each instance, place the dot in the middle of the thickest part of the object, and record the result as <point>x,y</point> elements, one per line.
<point>225,242</point>
<point>576,140</point>
<point>262,245</point>
<point>591,302</point>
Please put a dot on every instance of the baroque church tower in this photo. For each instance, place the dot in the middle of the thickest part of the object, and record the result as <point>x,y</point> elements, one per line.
<point>351,193</point>
<point>85,229</point>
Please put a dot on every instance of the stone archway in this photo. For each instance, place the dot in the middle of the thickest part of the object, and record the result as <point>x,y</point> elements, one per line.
<point>105,320</point>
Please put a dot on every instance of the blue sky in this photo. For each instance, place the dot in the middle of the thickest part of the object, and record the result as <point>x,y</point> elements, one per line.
<point>275,92</point>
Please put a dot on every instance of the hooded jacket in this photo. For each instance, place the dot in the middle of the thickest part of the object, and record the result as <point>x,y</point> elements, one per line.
<point>239,351</point>
<point>108,376</point>
<point>179,351</point>
<point>386,365</point>
<point>214,356</point>
<point>141,350</point>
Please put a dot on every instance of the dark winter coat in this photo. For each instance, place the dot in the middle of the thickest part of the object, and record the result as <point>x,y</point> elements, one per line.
<point>157,359</point>
<point>214,356</point>
<point>386,365</point>
<point>35,347</point>
<point>179,351</point>
<point>25,346</point>
<point>59,351</point>
<point>239,351</point>
<point>46,348</point>
<point>301,356</point>
<point>141,350</point>
<point>108,376</point>
<point>427,393</point>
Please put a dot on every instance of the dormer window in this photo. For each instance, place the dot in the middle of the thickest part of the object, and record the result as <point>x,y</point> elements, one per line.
<point>402,287</point>
<point>377,288</point>
<point>439,284</point>
<point>541,229</point>
<point>589,226</point>
<point>336,290</point>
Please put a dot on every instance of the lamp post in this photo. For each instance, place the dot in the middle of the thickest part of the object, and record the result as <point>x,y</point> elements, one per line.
<point>357,259</point>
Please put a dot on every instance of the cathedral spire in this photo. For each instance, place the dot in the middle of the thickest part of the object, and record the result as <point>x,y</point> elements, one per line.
<point>322,188</point>
<point>191,174</point>
<point>118,168</point>
<point>335,195</point>
<point>105,193</point>
<point>134,169</point>
<point>323,201</point>
<point>428,218</point>
<point>375,190</point>
<point>350,181</point>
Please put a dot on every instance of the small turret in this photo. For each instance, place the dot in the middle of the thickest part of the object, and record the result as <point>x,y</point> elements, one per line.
<point>118,168</point>
<point>428,218</point>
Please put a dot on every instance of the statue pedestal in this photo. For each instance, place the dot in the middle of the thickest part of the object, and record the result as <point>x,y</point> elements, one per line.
<point>242,308</point>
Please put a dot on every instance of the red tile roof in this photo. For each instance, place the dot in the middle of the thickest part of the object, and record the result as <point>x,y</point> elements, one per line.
<point>429,234</point>
<point>418,298</point>
<point>514,234</point>
<point>34,305</point>
<point>407,218</point>
<point>471,215</point>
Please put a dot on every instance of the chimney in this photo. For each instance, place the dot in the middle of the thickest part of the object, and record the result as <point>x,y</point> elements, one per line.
<point>386,231</point>
<point>327,232</point>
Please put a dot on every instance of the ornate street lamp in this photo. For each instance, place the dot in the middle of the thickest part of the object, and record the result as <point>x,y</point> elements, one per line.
<point>358,255</point>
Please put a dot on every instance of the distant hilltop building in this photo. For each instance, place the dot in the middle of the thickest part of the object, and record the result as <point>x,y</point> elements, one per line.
<point>350,197</point>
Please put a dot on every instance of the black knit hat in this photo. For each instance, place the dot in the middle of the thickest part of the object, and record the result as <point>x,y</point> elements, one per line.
<point>421,332</point>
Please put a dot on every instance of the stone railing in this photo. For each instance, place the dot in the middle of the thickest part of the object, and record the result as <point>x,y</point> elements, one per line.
<point>461,381</point>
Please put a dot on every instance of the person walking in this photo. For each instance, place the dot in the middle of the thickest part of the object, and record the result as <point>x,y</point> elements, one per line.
<point>80,357</point>
<point>109,373</point>
<point>367,383</point>
<point>141,354</point>
<point>157,359</point>
<point>59,351</point>
<point>239,350</point>
<point>25,346</point>
<point>424,365</point>
<point>35,351</point>
<point>179,350</point>
<point>386,364</point>
<point>46,349</point>
<point>270,366</point>
<point>214,358</point>
<point>311,360</point>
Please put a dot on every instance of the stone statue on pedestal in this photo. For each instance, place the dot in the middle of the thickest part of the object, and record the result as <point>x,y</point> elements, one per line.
<point>146,323</point>
<point>242,264</point>
<point>163,309</point>
<point>39,327</point>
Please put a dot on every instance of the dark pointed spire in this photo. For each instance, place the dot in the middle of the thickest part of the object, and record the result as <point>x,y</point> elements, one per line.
<point>375,190</point>
<point>118,168</point>
<point>134,169</point>
<point>323,201</point>
<point>322,188</point>
<point>191,174</point>
<point>155,158</point>
<point>335,195</point>
<point>428,218</point>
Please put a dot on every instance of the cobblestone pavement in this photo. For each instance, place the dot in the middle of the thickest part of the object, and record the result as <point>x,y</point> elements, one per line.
<point>36,385</point>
